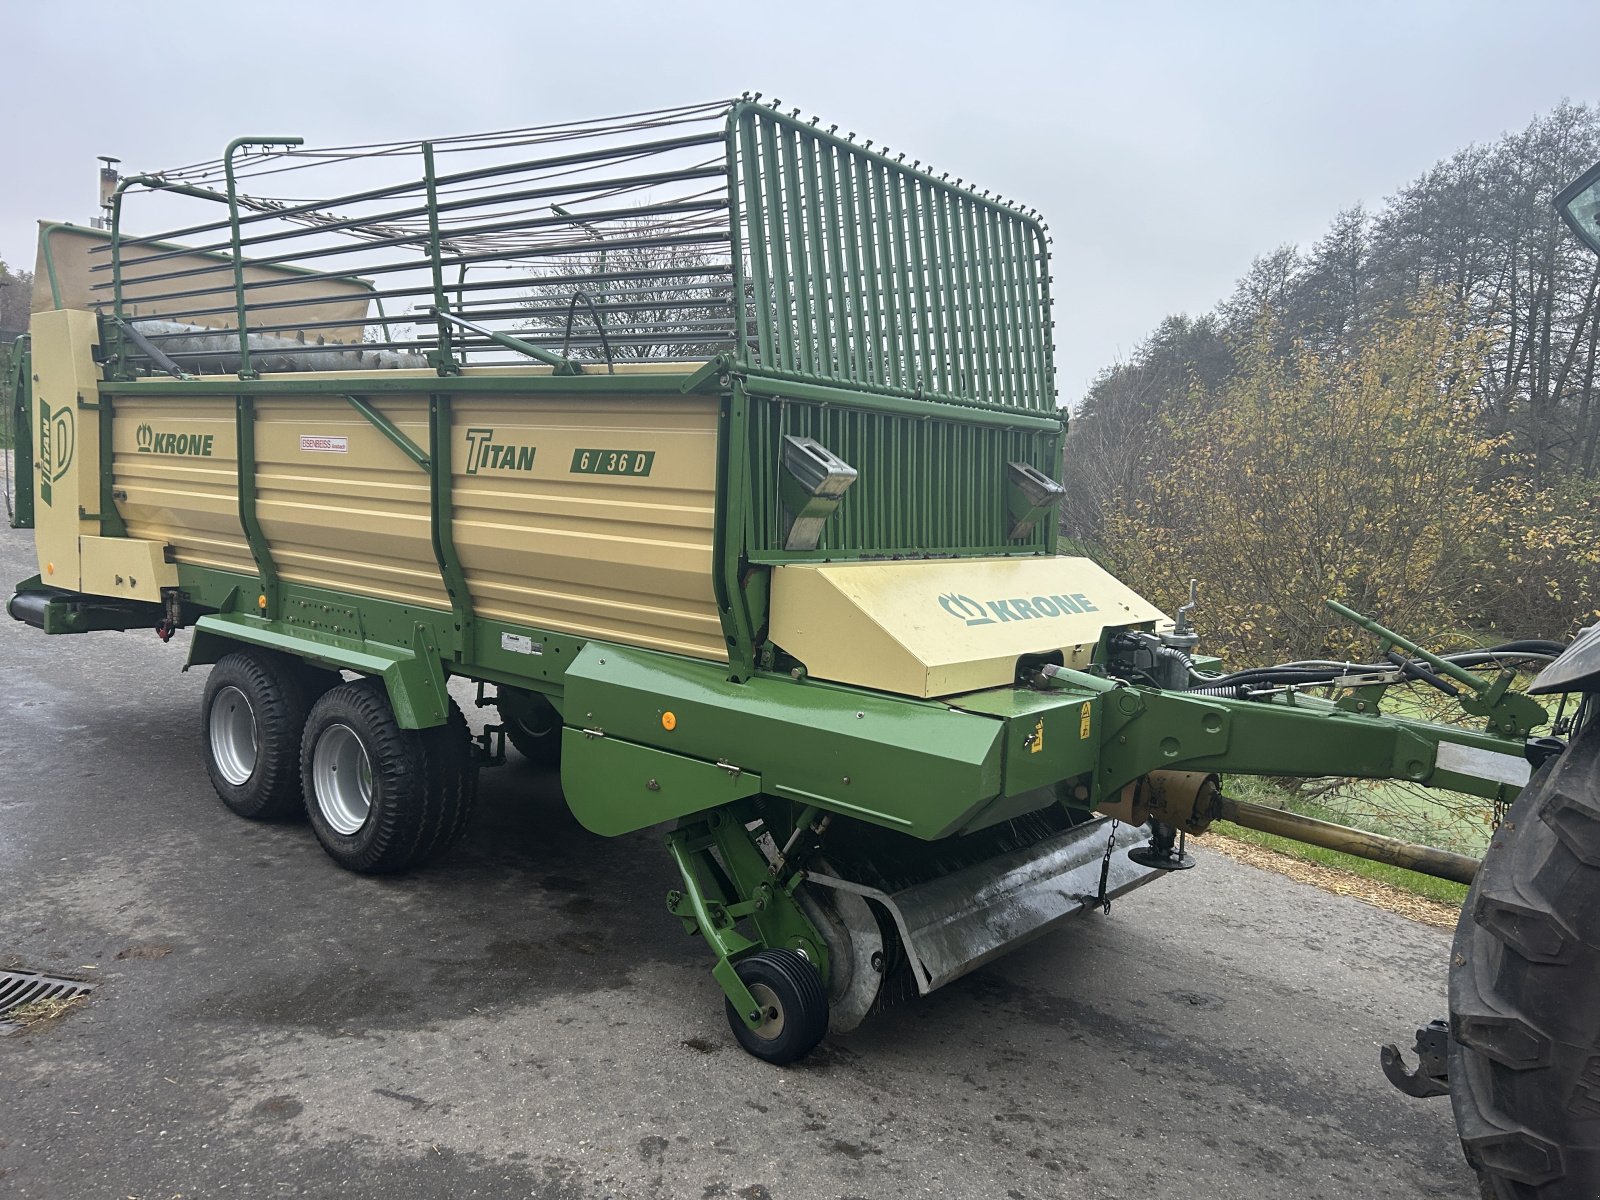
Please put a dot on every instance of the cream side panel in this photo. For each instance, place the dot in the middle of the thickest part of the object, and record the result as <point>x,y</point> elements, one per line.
<point>66,443</point>
<point>176,477</point>
<point>624,557</point>
<point>342,506</point>
<point>80,260</point>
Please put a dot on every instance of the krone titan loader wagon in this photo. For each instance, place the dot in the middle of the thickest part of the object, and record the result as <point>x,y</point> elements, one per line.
<point>721,450</point>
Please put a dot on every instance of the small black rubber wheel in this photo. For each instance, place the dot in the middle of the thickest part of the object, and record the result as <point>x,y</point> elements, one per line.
<point>250,721</point>
<point>794,1006</point>
<point>381,798</point>
<point>1525,991</point>
<point>532,724</point>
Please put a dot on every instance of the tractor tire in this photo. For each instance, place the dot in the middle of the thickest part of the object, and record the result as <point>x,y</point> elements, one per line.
<point>532,725</point>
<point>382,799</point>
<point>250,721</point>
<point>1525,991</point>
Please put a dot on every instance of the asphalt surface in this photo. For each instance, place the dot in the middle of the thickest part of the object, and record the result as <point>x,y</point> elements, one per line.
<point>525,1019</point>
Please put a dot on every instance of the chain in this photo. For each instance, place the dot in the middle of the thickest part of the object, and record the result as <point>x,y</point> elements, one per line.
<point>1103,901</point>
<point>1501,807</point>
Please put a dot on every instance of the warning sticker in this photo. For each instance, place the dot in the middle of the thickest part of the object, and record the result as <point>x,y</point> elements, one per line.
<point>1083,720</point>
<point>323,444</point>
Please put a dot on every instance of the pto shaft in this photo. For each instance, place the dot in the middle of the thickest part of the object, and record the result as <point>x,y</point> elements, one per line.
<point>1441,864</point>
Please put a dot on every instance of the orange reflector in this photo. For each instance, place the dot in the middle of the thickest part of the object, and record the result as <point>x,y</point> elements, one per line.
<point>261,600</point>
<point>669,721</point>
<point>49,568</point>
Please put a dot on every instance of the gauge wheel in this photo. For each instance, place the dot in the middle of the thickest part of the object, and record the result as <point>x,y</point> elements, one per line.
<point>793,1005</point>
<point>532,725</point>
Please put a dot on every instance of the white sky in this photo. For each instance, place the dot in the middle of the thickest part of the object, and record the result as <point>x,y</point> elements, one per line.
<point>1167,144</point>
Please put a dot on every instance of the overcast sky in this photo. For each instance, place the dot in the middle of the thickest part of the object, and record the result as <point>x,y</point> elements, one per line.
<point>1167,144</point>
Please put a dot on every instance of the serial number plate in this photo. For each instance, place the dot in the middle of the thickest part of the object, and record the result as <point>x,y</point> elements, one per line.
<point>612,462</point>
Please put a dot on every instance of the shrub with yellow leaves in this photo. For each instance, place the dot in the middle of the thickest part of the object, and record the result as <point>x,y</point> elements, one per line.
<point>1307,476</point>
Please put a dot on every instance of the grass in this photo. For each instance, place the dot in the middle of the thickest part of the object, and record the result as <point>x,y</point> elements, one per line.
<point>1263,791</point>
<point>41,1011</point>
<point>1442,890</point>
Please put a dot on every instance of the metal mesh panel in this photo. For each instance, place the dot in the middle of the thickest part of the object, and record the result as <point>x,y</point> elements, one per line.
<point>863,270</point>
<point>925,486</point>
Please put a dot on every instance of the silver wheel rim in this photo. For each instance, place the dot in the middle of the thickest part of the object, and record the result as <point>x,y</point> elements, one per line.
<point>771,1012</point>
<point>341,774</point>
<point>234,745</point>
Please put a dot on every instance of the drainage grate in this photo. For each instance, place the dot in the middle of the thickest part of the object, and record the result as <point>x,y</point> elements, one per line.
<point>21,987</point>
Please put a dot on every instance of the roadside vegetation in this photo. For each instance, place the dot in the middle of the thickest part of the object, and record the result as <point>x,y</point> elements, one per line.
<point>1405,417</point>
<point>15,293</point>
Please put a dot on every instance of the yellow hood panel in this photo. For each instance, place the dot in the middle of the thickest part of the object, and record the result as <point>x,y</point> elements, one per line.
<point>938,627</point>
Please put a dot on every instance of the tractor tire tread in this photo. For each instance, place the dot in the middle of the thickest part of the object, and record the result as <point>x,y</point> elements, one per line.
<point>1525,988</point>
<point>452,780</point>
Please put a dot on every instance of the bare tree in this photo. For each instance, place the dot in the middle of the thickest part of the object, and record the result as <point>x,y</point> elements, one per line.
<point>663,302</point>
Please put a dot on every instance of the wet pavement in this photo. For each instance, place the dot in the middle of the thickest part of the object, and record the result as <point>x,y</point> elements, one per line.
<point>524,1019</point>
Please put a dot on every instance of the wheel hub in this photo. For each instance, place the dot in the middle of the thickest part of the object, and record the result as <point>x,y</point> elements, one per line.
<point>341,776</point>
<point>766,999</point>
<point>234,742</point>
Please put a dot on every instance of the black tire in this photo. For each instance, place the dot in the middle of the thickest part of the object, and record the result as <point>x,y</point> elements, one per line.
<point>381,798</point>
<point>251,716</point>
<point>453,775</point>
<point>1525,991</point>
<point>318,680</point>
<point>794,999</point>
<point>532,725</point>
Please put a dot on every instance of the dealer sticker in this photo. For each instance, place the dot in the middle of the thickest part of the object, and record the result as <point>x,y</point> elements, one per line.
<point>520,644</point>
<point>323,444</point>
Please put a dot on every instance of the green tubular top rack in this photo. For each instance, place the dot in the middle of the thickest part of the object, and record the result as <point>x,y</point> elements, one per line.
<point>728,228</point>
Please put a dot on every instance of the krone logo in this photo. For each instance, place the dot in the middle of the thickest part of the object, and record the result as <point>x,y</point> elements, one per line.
<point>196,444</point>
<point>965,608</point>
<point>1015,608</point>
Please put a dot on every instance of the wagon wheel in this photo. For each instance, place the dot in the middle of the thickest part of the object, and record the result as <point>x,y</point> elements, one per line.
<point>532,725</point>
<point>250,721</point>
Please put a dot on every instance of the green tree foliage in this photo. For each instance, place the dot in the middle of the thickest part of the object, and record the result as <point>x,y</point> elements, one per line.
<point>16,289</point>
<point>1308,346</point>
<point>1311,474</point>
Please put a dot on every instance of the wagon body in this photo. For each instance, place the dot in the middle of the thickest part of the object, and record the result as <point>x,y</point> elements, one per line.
<point>723,453</point>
